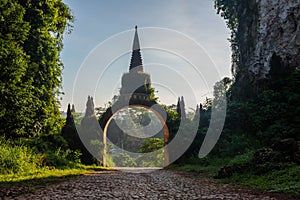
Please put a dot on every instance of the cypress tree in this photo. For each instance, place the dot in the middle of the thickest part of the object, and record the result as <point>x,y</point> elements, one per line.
<point>90,108</point>
<point>69,132</point>
<point>73,108</point>
<point>178,108</point>
<point>69,119</point>
<point>182,106</point>
<point>197,114</point>
<point>90,133</point>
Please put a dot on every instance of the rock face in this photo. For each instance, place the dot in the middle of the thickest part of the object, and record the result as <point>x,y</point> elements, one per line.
<point>275,30</point>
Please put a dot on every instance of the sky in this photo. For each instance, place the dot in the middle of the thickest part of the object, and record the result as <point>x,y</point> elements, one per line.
<point>184,45</point>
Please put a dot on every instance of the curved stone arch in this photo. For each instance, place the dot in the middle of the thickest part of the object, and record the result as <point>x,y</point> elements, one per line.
<point>149,105</point>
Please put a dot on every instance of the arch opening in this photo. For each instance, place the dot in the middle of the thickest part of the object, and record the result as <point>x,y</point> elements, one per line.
<point>150,132</point>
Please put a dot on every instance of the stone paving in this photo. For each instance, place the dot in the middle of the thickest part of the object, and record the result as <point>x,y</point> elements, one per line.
<point>157,184</point>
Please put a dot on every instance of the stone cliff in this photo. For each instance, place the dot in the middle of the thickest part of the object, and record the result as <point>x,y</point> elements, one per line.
<point>277,32</point>
<point>260,30</point>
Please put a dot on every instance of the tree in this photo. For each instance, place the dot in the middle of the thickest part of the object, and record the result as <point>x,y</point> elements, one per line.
<point>173,120</point>
<point>16,94</point>
<point>69,132</point>
<point>90,134</point>
<point>73,108</point>
<point>31,34</point>
<point>48,21</point>
<point>181,108</point>
<point>69,119</point>
<point>155,156</point>
<point>90,108</point>
<point>178,108</point>
<point>152,144</point>
<point>124,160</point>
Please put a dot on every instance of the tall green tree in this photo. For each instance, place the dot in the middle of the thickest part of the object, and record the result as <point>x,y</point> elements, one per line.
<point>15,92</point>
<point>48,21</point>
<point>31,34</point>
<point>181,108</point>
<point>90,134</point>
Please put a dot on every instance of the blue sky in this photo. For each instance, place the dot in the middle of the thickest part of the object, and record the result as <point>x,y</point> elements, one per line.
<point>100,22</point>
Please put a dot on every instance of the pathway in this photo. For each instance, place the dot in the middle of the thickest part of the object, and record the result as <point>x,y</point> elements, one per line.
<point>157,184</point>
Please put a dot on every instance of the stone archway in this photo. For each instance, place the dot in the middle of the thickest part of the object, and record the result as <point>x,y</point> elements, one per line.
<point>135,90</point>
<point>136,100</point>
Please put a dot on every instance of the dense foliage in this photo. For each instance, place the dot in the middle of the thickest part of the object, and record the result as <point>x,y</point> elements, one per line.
<point>259,144</point>
<point>263,112</point>
<point>259,115</point>
<point>241,17</point>
<point>31,34</point>
<point>259,138</point>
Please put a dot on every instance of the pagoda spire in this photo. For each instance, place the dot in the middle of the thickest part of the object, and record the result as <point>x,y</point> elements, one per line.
<point>136,57</point>
<point>136,42</point>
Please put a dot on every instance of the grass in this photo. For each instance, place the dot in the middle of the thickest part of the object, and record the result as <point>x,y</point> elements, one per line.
<point>206,167</point>
<point>15,159</point>
<point>283,181</point>
<point>194,168</point>
<point>23,168</point>
<point>45,173</point>
<point>26,182</point>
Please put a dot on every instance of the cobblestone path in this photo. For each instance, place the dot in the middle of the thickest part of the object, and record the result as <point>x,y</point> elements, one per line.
<point>158,184</point>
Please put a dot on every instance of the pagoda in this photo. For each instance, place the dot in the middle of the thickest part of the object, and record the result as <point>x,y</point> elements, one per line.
<point>136,84</point>
<point>135,90</point>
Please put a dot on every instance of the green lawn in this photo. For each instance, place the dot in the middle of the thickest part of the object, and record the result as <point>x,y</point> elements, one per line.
<point>41,178</point>
<point>285,180</point>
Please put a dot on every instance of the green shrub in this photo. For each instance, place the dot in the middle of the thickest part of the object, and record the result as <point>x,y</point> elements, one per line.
<point>243,159</point>
<point>58,158</point>
<point>55,150</point>
<point>16,159</point>
<point>124,160</point>
<point>109,161</point>
<point>284,180</point>
<point>44,143</point>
